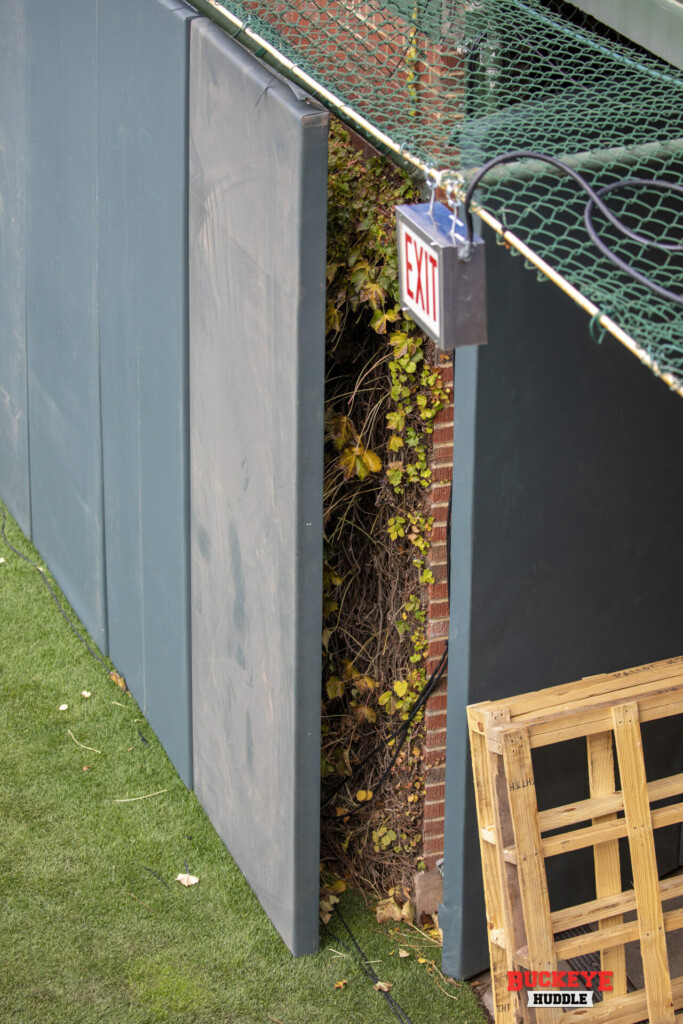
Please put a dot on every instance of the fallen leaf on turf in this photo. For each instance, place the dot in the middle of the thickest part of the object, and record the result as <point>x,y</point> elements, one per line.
<point>63,707</point>
<point>382,986</point>
<point>85,693</point>
<point>86,767</point>
<point>2,561</point>
<point>403,953</point>
<point>422,959</point>
<point>119,680</point>
<point>187,879</point>
<point>340,984</point>
<point>387,910</point>
<point>408,912</point>
<point>327,908</point>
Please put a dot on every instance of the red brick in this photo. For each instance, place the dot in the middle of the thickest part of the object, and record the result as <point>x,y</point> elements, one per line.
<point>434,811</point>
<point>447,372</point>
<point>441,473</point>
<point>434,756</point>
<point>434,791</point>
<point>440,494</point>
<point>437,702</point>
<point>431,859</point>
<point>443,434</point>
<point>434,844</point>
<point>433,828</point>
<point>439,572</point>
<point>435,746</point>
<point>442,455</point>
<point>438,628</point>
<point>438,554</point>
<point>438,591</point>
<point>435,721</point>
<point>436,773</point>
<point>438,533</point>
<point>438,609</point>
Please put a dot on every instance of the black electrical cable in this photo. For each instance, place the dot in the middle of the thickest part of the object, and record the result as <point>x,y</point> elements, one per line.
<point>54,596</point>
<point>402,731</point>
<point>404,728</point>
<point>594,199</point>
<point>366,966</point>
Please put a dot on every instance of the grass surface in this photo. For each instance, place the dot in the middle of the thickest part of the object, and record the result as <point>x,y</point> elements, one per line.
<point>87,932</point>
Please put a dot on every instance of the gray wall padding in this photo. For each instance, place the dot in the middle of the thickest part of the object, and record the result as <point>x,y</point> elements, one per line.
<point>14,466</point>
<point>61,303</point>
<point>143,59</point>
<point>93,209</point>
<point>567,554</point>
<point>258,178</point>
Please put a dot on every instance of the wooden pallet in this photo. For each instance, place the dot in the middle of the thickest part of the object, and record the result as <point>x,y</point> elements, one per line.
<point>607,710</point>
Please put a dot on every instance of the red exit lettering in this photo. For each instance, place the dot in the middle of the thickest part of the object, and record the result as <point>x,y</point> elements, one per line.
<point>421,277</point>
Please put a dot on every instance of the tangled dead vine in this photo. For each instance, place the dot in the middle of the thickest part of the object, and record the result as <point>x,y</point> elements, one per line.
<point>382,393</point>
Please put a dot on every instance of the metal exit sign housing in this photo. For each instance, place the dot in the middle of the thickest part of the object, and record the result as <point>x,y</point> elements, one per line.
<point>444,293</point>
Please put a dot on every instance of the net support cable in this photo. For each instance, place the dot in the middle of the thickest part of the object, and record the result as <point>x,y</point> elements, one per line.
<point>262,26</point>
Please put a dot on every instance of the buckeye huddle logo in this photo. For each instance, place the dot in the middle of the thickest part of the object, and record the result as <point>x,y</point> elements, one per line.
<point>560,988</point>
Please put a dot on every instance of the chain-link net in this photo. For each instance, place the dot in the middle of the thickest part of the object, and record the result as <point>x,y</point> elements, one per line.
<point>457,82</point>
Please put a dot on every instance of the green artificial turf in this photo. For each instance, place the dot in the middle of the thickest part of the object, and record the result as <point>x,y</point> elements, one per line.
<point>87,932</point>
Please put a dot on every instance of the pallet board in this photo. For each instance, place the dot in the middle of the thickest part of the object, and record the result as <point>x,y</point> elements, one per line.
<point>607,710</point>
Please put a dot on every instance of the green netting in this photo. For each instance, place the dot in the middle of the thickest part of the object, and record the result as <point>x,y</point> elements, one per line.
<point>456,82</point>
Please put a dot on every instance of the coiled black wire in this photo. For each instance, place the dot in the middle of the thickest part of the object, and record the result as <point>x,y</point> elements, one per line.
<point>594,199</point>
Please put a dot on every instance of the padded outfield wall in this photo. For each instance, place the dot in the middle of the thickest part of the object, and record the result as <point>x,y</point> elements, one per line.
<point>118,388</point>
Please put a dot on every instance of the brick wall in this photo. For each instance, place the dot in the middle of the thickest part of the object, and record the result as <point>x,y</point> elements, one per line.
<point>437,619</point>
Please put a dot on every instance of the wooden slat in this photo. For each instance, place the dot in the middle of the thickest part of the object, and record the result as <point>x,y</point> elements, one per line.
<point>500,958</point>
<point>511,902</point>
<point>604,939</point>
<point>628,1009</point>
<point>662,703</point>
<point>580,838</point>
<point>533,887</point>
<point>596,910</point>
<point>606,855</point>
<point>575,692</point>
<point>584,810</point>
<point>643,863</point>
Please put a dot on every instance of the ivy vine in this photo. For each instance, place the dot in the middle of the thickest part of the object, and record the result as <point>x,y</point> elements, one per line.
<point>383,391</point>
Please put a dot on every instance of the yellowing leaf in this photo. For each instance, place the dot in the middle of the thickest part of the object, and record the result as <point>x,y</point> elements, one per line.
<point>400,687</point>
<point>408,912</point>
<point>335,687</point>
<point>187,880</point>
<point>340,984</point>
<point>387,910</point>
<point>363,795</point>
<point>395,442</point>
<point>422,959</point>
<point>371,460</point>
<point>119,680</point>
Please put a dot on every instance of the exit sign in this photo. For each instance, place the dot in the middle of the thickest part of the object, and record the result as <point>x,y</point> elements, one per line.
<point>444,293</point>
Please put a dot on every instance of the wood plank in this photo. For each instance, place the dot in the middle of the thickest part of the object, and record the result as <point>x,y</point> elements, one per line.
<point>606,855</point>
<point>596,910</point>
<point>661,703</point>
<point>500,957</point>
<point>521,793</point>
<point>644,863</point>
<point>584,810</point>
<point>603,939</point>
<point>510,897</point>
<point>628,1009</point>
<point>580,838</point>
<point>537,700</point>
